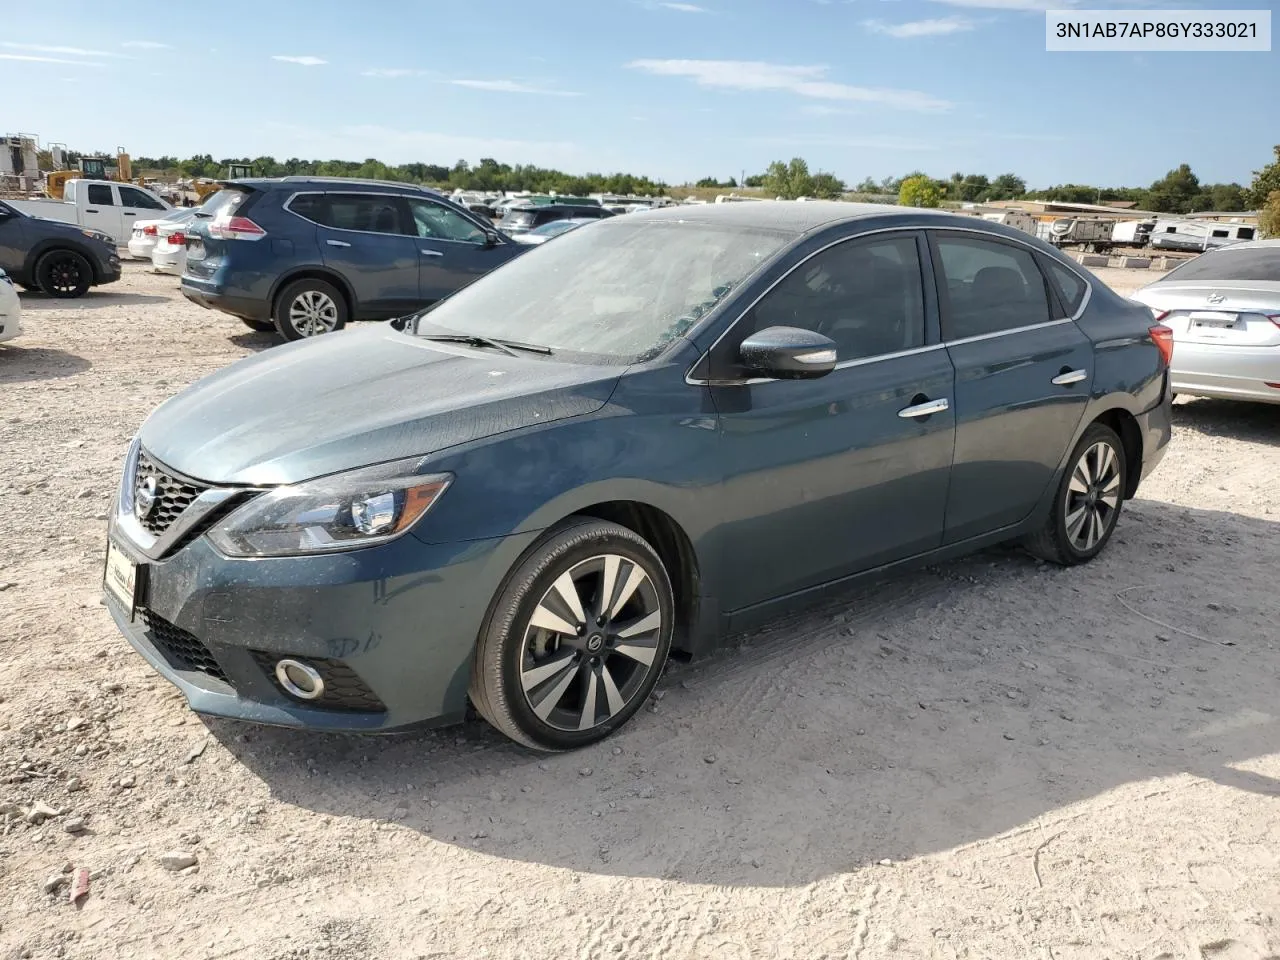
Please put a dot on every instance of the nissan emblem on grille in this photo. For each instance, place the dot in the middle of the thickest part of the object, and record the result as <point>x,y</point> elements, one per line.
<point>144,497</point>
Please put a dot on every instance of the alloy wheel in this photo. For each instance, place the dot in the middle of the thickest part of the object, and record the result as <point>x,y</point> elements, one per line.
<point>64,274</point>
<point>313,313</point>
<point>1093,496</point>
<point>590,643</point>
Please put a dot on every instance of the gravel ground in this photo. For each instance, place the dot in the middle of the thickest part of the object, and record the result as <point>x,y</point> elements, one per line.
<point>989,758</point>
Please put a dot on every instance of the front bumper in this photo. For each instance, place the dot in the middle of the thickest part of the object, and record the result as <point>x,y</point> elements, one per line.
<point>401,618</point>
<point>108,269</point>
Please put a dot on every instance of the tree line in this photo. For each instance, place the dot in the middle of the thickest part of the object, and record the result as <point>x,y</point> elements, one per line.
<point>488,175</point>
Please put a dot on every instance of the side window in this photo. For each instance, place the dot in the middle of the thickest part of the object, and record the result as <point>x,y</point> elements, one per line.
<point>440,223</point>
<point>866,295</point>
<point>99,195</point>
<point>131,197</point>
<point>367,213</point>
<point>307,205</point>
<point>990,287</point>
<point>1071,286</point>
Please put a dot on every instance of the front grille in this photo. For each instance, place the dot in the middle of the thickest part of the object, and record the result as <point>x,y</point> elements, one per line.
<point>343,688</point>
<point>183,650</point>
<point>173,495</point>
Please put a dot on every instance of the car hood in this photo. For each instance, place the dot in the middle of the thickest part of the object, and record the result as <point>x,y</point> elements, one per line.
<point>350,399</point>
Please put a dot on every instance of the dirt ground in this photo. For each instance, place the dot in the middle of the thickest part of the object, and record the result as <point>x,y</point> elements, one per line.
<point>992,758</point>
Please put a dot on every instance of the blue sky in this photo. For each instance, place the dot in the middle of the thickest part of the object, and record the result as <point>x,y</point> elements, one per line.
<point>676,90</point>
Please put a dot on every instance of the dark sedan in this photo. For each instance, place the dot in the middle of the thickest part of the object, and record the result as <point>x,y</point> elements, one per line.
<point>639,438</point>
<point>525,217</point>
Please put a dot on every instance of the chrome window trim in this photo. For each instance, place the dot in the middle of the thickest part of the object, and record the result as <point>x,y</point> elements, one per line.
<point>374,233</point>
<point>1084,302</point>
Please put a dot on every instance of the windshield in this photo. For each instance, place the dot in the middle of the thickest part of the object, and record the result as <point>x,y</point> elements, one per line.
<point>616,291</point>
<point>1254,263</point>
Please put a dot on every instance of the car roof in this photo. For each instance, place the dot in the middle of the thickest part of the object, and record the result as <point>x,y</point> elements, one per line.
<point>1273,244</point>
<point>789,216</point>
<point>345,183</point>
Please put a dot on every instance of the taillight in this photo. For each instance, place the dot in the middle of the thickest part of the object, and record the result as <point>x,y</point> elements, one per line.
<point>149,231</point>
<point>1162,336</point>
<point>1158,314</point>
<point>178,238</point>
<point>236,228</point>
<point>1274,318</point>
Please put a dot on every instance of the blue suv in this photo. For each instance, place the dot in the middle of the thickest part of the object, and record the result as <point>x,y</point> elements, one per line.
<point>303,255</point>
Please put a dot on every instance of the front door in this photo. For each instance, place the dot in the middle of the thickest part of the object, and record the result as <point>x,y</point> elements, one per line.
<point>137,205</point>
<point>453,250</point>
<point>364,237</point>
<point>100,211</point>
<point>13,244</point>
<point>1023,371</point>
<point>828,477</point>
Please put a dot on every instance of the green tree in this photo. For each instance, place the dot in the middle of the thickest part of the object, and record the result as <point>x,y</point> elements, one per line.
<point>920,191</point>
<point>1007,186</point>
<point>755,180</point>
<point>1269,216</point>
<point>1176,191</point>
<point>1265,183</point>
<point>788,180</point>
<point>868,185</point>
<point>826,186</point>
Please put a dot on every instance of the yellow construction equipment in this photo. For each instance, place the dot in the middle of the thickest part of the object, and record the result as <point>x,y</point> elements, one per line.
<point>90,168</point>
<point>235,171</point>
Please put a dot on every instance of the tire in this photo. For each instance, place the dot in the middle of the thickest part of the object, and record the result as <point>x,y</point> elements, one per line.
<point>309,308</point>
<point>1087,503</point>
<point>262,326</point>
<point>64,274</point>
<point>555,689</point>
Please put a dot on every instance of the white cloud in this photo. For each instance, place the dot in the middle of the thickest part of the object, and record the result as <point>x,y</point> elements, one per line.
<point>66,51</point>
<point>684,7</point>
<point>805,81</point>
<point>307,61</point>
<point>1010,4</point>
<point>920,28</point>
<point>29,59</point>
<point>393,72</point>
<point>511,86</point>
<point>145,45</point>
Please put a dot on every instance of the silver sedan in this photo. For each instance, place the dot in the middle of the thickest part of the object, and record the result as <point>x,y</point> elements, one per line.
<point>1224,310</point>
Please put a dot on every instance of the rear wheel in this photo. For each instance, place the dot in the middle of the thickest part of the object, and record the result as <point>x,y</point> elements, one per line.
<point>265,326</point>
<point>576,639</point>
<point>309,308</point>
<point>1088,502</point>
<point>64,274</point>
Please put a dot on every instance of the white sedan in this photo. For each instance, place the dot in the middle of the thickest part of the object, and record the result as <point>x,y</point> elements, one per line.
<point>146,233</point>
<point>170,252</point>
<point>10,309</point>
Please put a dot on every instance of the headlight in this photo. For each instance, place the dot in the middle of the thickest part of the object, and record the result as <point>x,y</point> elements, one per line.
<point>100,237</point>
<point>5,278</point>
<point>345,511</point>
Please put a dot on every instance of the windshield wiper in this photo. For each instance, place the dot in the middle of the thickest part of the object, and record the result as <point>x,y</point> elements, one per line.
<point>508,347</point>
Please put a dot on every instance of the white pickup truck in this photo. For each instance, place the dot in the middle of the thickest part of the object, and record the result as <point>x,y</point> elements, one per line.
<point>109,208</point>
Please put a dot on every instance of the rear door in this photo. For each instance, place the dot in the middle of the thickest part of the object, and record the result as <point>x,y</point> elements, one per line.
<point>1023,372</point>
<point>137,205</point>
<point>100,210</point>
<point>365,238</point>
<point>453,249</point>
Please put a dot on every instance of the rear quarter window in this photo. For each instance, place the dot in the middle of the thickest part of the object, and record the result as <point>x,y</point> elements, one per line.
<point>1070,285</point>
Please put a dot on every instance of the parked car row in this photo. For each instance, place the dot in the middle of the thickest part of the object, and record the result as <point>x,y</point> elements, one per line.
<point>163,241</point>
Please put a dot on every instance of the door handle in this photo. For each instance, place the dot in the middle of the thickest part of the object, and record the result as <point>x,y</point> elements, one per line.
<point>1068,377</point>
<point>926,409</point>
<point>91,210</point>
<point>432,253</point>
<point>127,214</point>
<point>337,243</point>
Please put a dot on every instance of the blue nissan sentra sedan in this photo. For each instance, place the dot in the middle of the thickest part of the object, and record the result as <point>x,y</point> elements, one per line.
<point>657,430</point>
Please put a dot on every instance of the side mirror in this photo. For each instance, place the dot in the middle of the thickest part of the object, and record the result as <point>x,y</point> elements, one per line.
<point>491,239</point>
<point>788,353</point>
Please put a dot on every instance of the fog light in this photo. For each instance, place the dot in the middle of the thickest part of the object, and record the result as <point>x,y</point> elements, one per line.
<point>300,679</point>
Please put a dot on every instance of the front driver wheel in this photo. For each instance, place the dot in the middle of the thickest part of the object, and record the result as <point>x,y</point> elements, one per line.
<point>1088,502</point>
<point>64,274</point>
<point>576,639</point>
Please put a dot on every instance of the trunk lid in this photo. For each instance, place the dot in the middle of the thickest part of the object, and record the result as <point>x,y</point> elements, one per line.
<point>1229,312</point>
